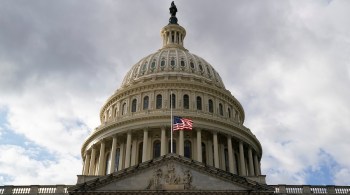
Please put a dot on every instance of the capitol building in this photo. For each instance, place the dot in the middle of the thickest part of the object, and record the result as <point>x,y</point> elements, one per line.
<point>135,151</point>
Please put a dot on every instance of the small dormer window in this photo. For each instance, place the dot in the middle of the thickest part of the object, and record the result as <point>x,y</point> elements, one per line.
<point>153,65</point>
<point>172,62</point>
<point>192,65</point>
<point>200,67</point>
<point>182,63</point>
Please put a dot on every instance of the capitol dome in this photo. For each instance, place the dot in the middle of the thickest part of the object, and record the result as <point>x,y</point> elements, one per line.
<point>136,119</point>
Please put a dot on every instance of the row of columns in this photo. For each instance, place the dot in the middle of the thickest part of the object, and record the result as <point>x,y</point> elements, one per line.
<point>249,168</point>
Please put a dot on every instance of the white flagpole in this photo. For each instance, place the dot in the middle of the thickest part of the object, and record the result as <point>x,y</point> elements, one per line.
<point>171,125</point>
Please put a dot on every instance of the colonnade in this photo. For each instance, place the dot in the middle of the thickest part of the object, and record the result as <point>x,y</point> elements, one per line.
<point>121,151</point>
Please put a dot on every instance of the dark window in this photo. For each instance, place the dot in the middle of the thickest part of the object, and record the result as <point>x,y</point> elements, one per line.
<point>172,100</point>
<point>200,67</point>
<point>117,155</point>
<point>162,63</point>
<point>156,149</point>
<point>140,152</point>
<point>211,108</point>
<point>204,154</point>
<point>145,102</point>
<point>208,71</point>
<point>191,64</point>
<point>159,101</point>
<point>229,112</point>
<point>124,109</point>
<point>226,159</point>
<point>199,103</point>
<point>108,163</point>
<point>153,65</point>
<point>133,105</point>
<point>172,62</point>
<point>188,149</point>
<point>186,102</point>
<point>182,63</point>
<point>174,146</point>
<point>221,110</point>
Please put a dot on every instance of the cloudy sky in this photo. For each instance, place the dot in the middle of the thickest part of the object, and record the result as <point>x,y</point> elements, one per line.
<point>287,62</point>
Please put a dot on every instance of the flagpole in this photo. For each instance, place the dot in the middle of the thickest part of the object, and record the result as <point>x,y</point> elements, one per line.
<point>171,125</point>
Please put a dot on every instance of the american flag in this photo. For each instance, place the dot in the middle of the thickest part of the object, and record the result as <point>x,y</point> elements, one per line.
<point>182,123</point>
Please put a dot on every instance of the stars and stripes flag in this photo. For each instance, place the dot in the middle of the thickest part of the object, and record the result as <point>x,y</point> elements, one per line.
<point>180,123</point>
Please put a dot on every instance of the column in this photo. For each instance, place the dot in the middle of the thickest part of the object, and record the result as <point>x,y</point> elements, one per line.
<point>162,142</point>
<point>86,164</point>
<point>199,145</point>
<point>216,150</point>
<point>144,147</point>
<point>181,143</point>
<point>92,161</point>
<point>128,150</point>
<point>113,151</point>
<point>251,164</point>
<point>241,159</point>
<point>133,152</point>
<point>121,157</point>
<point>101,161</point>
<point>230,154</point>
<point>256,164</point>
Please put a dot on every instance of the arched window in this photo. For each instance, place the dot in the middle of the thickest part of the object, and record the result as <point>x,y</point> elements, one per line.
<point>133,105</point>
<point>221,110</point>
<point>156,149</point>
<point>140,152</point>
<point>124,109</point>
<point>172,100</point>
<point>174,146</point>
<point>145,102</point>
<point>188,149</point>
<point>229,112</point>
<point>226,159</point>
<point>211,108</point>
<point>186,102</point>
<point>117,156</point>
<point>204,153</point>
<point>108,163</point>
<point>199,103</point>
<point>159,101</point>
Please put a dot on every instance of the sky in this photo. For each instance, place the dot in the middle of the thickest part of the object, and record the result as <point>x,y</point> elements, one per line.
<point>287,62</point>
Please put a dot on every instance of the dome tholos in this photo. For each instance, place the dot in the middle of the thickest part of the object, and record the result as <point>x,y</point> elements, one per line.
<point>136,119</point>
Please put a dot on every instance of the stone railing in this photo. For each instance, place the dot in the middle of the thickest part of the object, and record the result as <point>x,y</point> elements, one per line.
<point>310,189</point>
<point>35,189</point>
<point>279,189</point>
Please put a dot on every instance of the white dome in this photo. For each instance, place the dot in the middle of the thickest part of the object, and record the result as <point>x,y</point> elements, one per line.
<point>172,61</point>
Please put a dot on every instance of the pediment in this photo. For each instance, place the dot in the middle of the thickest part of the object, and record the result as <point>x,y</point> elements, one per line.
<point>170,173</point>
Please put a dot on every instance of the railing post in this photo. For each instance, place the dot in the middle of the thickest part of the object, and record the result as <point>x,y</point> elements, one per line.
<point>306,189</point>
<point>34,189</point>
<point>60,189</point>
<point>330,189</point>
<point>282,188</point>
<point>8,190</point>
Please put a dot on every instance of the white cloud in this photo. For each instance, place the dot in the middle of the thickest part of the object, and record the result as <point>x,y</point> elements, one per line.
<point>19,166</point>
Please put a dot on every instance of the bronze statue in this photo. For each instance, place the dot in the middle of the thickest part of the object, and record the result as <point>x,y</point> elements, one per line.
<point>173,9</point>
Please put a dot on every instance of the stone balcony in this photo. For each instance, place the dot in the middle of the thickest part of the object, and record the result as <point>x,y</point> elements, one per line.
<point>279,189</point>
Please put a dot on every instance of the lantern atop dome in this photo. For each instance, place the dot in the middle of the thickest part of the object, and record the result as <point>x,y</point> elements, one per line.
<point>173,34</point>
